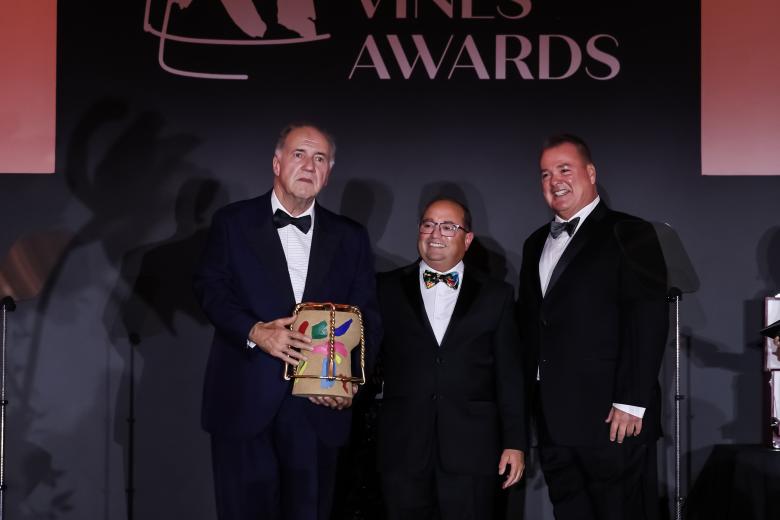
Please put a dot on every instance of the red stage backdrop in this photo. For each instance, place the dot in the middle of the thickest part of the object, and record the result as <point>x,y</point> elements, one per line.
<point>28,61</point>
<point>740,88</point>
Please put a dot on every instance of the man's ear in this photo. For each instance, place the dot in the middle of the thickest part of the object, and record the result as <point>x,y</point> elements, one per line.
<point>469,239</point>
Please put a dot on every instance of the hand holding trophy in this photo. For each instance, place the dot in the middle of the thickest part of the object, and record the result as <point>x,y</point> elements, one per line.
<point>326,375</point>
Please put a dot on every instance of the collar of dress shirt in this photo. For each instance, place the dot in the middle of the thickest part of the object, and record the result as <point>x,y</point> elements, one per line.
<point>277,204</point>
<point>458,268</point>
<point>583,214</point>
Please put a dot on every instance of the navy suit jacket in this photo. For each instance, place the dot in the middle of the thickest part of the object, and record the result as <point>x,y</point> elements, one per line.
<point>243,279</point>
<point>599,332</point>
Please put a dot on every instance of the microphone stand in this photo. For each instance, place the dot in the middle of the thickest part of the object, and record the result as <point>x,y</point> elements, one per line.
<point>674,297</point>
<point>7,305</point>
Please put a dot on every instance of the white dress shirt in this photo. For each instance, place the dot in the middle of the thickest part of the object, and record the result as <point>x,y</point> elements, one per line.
<point>551,254</point>
<point>440,299</point>
<point>297,248</point>
<point>554,247</point>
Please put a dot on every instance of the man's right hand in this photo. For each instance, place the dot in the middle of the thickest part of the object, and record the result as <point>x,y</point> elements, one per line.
<point>276,339</point>
<point>623,424</point>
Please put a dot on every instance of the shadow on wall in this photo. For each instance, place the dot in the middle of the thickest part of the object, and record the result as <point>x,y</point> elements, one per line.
<point>157,420</point>
<point>128,189</point>
<point>696,413</point>
<point>749,424</point>
<point>745,368</point>
<point>371,203</point>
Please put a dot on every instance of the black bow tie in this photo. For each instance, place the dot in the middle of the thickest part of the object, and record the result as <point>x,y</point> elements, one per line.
<point>556,228</point>
<point>282,219</point>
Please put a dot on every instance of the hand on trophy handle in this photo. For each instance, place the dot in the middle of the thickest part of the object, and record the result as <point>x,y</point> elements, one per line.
<point>275,339</point>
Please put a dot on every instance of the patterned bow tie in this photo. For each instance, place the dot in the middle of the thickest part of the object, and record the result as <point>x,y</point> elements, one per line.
<point>451,279</point>
<point>556,228</point>
<point>282,219</point>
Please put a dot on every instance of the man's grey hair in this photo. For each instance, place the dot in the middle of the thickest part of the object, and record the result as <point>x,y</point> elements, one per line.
<point>294,126</point>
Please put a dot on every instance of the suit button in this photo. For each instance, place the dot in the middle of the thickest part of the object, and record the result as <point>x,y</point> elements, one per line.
<point>545,323</point>
<point>439,360</point>
<point>434,397</point>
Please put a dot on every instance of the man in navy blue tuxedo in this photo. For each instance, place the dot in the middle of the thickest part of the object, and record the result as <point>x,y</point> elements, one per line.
<point>274,454</point>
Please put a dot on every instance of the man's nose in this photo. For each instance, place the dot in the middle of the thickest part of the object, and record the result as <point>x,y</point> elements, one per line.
<point>308,163</point>
<point>557,181</point>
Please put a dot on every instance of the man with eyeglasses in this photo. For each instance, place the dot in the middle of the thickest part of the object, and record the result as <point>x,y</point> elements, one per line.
<point>453,412</point>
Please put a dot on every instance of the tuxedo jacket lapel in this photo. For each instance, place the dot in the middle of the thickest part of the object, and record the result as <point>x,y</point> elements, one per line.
<point>469,290</point>
<point>324,246</point>
<point>537,245</point>
<point>581,238</point>
<point>263,240</point>
<point>411,287</point>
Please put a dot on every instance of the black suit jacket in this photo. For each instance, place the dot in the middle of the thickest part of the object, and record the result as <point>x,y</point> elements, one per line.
<point>598,334</point>
<point>243,279</point>
<point>464,399</point>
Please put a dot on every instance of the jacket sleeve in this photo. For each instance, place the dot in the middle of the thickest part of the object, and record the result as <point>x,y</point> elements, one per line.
<point>216,288</point>
<point>644,316</point>
<point>510,381</point>
<point>363,294</point>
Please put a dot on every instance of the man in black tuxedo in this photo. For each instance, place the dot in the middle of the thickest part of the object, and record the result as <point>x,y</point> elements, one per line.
<point>274,455</point>
<point>594,322</point>
<point>453,414</point>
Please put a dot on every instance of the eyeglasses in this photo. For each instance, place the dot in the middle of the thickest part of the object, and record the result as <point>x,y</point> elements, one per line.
<point>447,229</point>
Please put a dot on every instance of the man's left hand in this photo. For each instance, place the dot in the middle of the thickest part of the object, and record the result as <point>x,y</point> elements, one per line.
<point>623,425</point>
<point>515,459</point>
<point>335,401</point>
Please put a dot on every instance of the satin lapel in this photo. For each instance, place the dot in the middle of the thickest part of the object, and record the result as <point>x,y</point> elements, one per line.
<point>411,287</point>
<point>469,290</point>
<point>537,245</point>
<point>263,241</point>
<point>577,243</point>
<point>324,246</point>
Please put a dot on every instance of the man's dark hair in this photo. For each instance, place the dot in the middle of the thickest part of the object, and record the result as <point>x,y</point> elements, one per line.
<point>578,142</point>
<point>466,212</point>
<point>302,124</point>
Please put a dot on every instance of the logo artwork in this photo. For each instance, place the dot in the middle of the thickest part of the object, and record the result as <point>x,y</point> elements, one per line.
<point>252,22</point>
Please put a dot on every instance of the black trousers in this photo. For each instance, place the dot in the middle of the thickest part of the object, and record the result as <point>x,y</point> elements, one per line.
<point>611,481</point>
<point>284,473</point>
<point>436,494</point>
<point>596,482</point>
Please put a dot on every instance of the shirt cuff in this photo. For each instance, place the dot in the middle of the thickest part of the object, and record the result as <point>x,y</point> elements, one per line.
<point>249,342</point>
<point>636,411</point>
